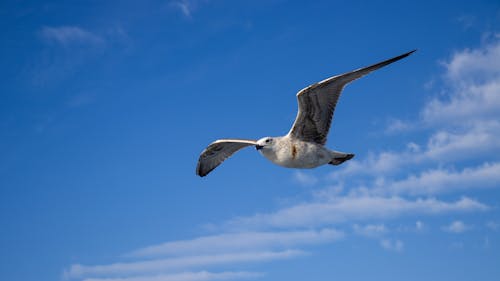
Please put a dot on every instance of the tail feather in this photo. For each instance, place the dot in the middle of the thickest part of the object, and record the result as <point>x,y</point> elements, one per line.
<point>339,159</point>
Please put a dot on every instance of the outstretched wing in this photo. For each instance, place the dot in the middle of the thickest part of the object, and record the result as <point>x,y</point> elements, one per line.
<point>217,152</point>
<point>317,103</point>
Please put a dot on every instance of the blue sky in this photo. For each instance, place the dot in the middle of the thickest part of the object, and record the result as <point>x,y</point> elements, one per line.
<point>106,106</point>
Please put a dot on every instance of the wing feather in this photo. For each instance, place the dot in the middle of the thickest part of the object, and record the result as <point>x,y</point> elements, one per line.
<point>317,103</point>
<point>217,152</point>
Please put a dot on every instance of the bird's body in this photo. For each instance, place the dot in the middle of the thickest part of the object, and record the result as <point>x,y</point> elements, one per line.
<point>303,146</point>
<point>294,153</point>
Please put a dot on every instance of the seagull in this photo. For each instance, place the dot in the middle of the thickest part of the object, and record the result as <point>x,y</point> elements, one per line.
<point>304,145</point>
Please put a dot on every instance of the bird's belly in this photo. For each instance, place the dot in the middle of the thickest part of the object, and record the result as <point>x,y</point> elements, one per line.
<point>303,162</point>
<point>304,156</point>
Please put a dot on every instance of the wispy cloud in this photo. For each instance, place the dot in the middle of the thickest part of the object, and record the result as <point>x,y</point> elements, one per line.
<point>456,227</point>
<point>184,6</point>
<point>470,101</point>
<point>437,181</point>
<point>443,146</point>
<point>370,230</point>
<point>170,265</point>
<point>475,64</point>
<point>69,35</point>
<point>304,178</point>
<point>467,21</point>
<point>375,164</point>
<point>477,138</point>
<point>238,242</point>
<point>392,245</point>
<point>67,48</point>
<point>187,7</point>
<point>474,83</point>
<point>187,276</point>
<point>397,125</point>
<point>352,208</point>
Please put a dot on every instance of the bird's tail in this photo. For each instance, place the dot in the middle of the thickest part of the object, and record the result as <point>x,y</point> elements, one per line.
<point>339,158</point>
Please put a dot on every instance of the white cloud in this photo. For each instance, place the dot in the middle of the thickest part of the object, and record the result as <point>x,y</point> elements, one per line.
<point>456,227</point>
<point>386,162</point>
<point>351,208</point>
<point>370,230</point>
<point>474,83</point>
<point>397,126</point>
<point>67,35</point>
<point>392,245</point>
<point>470,102</point>
<point>417,227</point>
<point>238,242</point>
<point>304,179</point>
<point>443,181</point>
<point>465,120</point>
<point>328,192</point>
<point>186,276</point>
<point>473,64</point>
<point>186,7</point>
<point>413,147</point>
<point>481,137</point>
<point>465,127</point>
<point>175,264</point>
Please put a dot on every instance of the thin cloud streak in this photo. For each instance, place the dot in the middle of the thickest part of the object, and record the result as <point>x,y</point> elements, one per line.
<point>187,7</point>
<point>175,264</point>
<point>184,6</point>
<point>67,35</point>
<point>352,208</point>
<point>239,242</point>
<point>187,276</point>
<point>370,230</point>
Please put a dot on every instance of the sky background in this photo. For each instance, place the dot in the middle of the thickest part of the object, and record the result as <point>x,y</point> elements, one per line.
<point>105,107</point>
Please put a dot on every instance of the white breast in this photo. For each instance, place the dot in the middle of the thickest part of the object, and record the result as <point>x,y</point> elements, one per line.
<point>293,153</point>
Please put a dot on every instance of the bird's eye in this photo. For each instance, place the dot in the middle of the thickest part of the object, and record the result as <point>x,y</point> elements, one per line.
<point>268,140</point>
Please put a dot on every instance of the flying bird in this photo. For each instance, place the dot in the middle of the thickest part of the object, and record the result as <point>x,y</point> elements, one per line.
<point>304,145</point>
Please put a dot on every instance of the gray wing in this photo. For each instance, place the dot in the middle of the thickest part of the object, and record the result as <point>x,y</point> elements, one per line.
<point>317,103</point>
<point>217,152</point>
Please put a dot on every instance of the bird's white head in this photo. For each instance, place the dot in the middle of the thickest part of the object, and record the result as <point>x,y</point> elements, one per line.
<point>265,143</point>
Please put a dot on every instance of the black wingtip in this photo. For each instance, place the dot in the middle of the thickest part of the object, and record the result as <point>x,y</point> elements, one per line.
<point>402,56</point>
<point>413,51</point>
<point>409,53</point>
<point>389,61</point>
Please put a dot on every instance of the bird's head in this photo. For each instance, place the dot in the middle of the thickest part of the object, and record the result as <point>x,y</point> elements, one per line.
<point>264,143</point>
